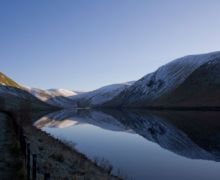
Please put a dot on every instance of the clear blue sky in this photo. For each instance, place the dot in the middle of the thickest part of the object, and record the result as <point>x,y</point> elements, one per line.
<point>85,44</point>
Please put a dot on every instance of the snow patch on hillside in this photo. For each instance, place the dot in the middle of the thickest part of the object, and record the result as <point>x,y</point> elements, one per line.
<point>56,97</point>
<point>61,92</point>
<point>102,94</point>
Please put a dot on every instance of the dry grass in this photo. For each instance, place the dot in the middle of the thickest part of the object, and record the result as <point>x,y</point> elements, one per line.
<point>61,161</point>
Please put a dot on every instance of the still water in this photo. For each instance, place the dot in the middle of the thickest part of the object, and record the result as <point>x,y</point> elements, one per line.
<point>143,145</point>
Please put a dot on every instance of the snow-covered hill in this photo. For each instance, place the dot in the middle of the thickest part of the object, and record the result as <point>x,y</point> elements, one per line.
<point>188,82</point>
<point>56,97</point>
<point>62,92</point>
<point>159,88</point>
<point>101,95</point>
<point>73,99</point>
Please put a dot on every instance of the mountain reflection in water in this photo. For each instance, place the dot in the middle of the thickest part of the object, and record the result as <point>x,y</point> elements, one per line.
<point>143,144</point>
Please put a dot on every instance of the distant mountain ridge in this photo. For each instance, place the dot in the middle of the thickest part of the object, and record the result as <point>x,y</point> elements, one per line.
<point>56,97</point>
<point>75,99</point>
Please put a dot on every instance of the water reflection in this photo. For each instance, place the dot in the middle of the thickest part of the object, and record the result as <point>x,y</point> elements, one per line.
<point>131,141</point>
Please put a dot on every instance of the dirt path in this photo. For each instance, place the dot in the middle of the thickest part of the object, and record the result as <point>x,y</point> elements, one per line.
<point>10,159</point>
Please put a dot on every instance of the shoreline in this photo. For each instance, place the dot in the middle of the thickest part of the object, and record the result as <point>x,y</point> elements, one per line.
<point>59,159</point>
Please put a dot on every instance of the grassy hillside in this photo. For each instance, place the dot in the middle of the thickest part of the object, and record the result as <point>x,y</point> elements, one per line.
<point>13,97</point>
<point>4,80</point>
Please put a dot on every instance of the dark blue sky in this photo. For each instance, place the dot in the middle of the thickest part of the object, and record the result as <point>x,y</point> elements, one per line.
<point>85,44</point>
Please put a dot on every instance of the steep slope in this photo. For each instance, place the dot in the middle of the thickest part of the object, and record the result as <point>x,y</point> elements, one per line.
<point>56,97</point>
<point>6,81</point>
<point>200,89</point>
<point>13,97</point>
<point>159,89</point>
<point>100,96</point>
